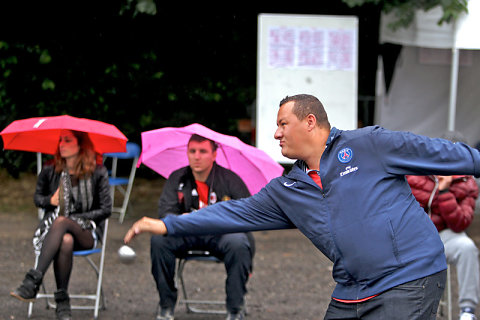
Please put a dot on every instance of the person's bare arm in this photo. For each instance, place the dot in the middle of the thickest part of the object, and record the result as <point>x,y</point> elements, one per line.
<point>145,224</point>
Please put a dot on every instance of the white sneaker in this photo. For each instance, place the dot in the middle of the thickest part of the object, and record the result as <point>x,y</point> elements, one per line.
<point>467,316</point>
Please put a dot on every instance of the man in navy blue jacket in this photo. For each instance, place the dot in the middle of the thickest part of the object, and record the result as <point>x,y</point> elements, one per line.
<point>348,194</point>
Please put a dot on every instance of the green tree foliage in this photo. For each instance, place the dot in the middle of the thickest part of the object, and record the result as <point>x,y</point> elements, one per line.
<point>404,10</point>
<point>135,70</point>
<point>142,64</point>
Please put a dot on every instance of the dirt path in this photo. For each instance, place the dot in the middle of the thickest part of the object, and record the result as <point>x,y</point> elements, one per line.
<point>291,279</point>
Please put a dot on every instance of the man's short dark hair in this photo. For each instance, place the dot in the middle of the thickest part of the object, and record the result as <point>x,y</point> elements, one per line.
<point>197,138</point>
<point>305,104</point>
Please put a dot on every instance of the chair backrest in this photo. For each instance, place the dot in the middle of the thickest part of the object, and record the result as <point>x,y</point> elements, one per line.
<point>133,150</point>
<point>132,153</point>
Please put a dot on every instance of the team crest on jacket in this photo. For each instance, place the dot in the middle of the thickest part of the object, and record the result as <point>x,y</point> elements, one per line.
<point>213,198</point>
<point>345,155</point>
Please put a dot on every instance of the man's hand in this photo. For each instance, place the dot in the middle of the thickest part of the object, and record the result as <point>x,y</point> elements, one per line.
<point>54,198</point>
<point>145,224</point>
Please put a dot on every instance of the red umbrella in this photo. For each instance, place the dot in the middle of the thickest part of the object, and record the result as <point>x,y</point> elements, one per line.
<point>42,134</point>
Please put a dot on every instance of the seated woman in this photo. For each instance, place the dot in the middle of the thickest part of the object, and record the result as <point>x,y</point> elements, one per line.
<point>75,194</point>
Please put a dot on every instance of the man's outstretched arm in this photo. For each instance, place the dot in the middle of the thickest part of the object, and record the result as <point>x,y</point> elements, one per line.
<point>145,224</point>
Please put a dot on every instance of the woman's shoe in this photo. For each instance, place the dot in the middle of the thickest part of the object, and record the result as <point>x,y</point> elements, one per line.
<point>29,287</point>
<point>62,300</point>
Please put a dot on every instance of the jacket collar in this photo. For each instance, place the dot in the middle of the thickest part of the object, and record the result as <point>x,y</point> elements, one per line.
<point>210,178</point>
<point>334,134</point>
<point>300,168</point>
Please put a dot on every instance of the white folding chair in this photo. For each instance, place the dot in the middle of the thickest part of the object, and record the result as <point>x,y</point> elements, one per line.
<point>132,153</point>
<point>97,296</point>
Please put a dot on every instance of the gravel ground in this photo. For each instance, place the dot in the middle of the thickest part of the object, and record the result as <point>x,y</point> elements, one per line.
<point>291,279</point>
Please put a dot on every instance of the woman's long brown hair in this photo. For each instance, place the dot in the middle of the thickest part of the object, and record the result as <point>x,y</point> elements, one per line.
<point>86,161</point>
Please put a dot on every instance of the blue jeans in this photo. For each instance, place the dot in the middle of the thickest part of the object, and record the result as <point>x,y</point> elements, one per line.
<point>414,300</point>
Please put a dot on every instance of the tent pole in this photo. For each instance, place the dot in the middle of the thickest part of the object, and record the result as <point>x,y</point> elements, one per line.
<point>453,89</point>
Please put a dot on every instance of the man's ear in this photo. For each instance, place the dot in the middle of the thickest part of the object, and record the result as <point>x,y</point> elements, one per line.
<point>311,121</point>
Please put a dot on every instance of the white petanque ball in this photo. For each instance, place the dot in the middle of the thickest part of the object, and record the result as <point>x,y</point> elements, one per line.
<point>126,254</point>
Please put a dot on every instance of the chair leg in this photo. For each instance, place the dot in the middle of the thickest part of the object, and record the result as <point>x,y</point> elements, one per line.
<point>179,278</point>
<point>125,191</point>
<point>189,303</point>
<point>99,292</point>
<point>449,293</point>
<point>446,301</point>
<point>123,210</point>
<point>30,304</point>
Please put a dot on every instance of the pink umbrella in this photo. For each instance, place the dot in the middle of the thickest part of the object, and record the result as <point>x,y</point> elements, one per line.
<point>41,134</point>
<point>165,150</point>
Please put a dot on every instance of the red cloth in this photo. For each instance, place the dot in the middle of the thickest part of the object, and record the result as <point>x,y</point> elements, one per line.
<point>453,208</point>
<point>355,301</point>
<point>316,177</point>
<point>202,190</point>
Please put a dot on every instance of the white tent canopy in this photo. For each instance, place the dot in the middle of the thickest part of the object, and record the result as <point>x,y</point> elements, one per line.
<point>435,82</point>
<point>425,31</point>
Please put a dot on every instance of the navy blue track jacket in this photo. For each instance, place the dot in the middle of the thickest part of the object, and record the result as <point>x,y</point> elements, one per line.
<point>365,219</point>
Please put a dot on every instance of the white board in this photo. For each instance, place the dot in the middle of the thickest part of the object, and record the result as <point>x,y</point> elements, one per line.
<point>312,54</point>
